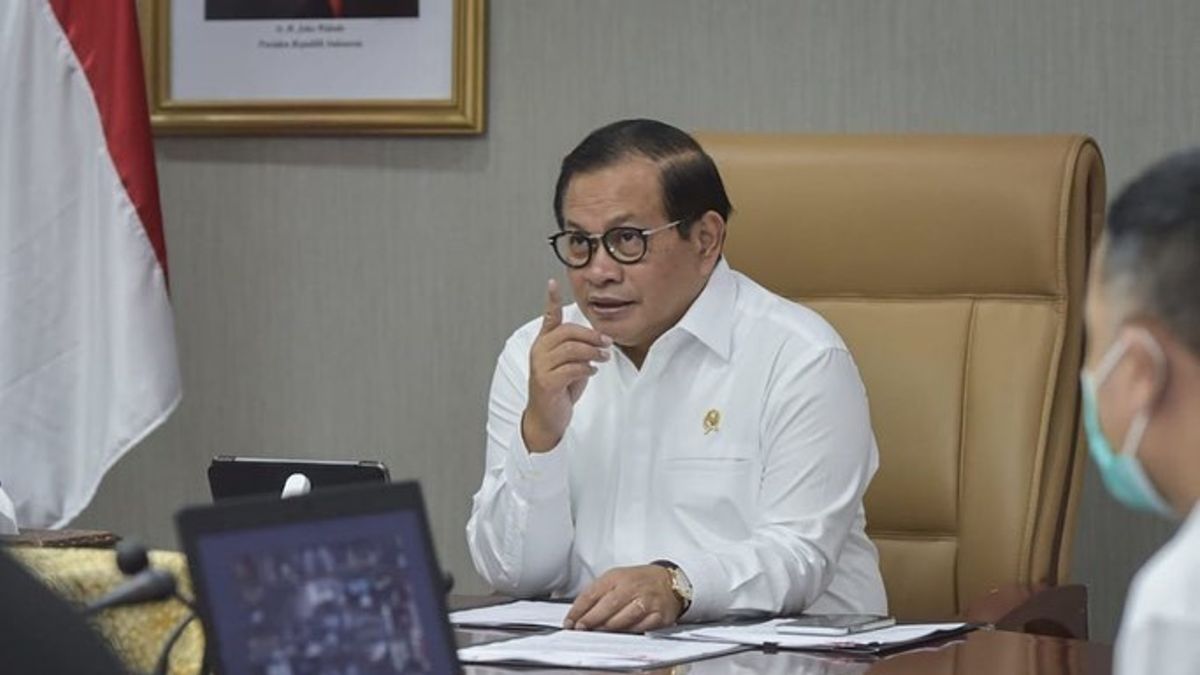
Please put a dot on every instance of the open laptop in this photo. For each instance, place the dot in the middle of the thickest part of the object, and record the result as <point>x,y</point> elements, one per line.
<point>335,582</point>
<point>231,476</point>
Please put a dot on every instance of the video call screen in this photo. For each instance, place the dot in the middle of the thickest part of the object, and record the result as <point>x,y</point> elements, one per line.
<point>343,596</point>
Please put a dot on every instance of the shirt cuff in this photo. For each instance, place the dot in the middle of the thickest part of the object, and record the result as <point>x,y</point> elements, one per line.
<point>536,475</point>
<point>710,592</point>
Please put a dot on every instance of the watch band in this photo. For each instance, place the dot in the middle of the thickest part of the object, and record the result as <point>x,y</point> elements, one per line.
<point>681,586</point>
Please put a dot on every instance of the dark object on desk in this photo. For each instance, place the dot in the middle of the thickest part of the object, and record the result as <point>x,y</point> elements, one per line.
<point>60,539</point>
<point>230,476</point>
<point>874,650</point>
<point>132,556</point>
<point>41,633</point>
<point>835,624</point>
<point>344,578</point>
<point>145,584</point>
<point>149,585</point>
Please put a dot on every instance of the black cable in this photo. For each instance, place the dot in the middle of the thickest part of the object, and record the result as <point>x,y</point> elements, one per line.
<point>160,666</point>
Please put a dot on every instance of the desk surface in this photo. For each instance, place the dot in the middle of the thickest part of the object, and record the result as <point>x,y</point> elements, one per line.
<point>982,652</point>
<point>85,574</point>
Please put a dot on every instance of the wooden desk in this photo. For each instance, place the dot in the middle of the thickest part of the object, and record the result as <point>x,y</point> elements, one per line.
<point>982,652</point>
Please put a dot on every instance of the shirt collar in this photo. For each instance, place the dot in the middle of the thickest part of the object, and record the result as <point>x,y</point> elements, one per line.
<point>709,318</point>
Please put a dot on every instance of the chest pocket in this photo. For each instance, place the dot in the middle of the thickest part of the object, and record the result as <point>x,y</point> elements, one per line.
<point>710,458</point>
<point>715,489</point>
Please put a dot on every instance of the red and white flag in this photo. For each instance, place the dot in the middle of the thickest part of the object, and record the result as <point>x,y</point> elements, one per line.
<point>87,344</point>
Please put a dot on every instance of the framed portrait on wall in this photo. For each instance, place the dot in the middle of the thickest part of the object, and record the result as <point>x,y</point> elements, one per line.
<point>315,66</point>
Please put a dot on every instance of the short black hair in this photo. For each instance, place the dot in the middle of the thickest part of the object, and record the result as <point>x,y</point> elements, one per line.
<point>691,185</point>
<point>1153,244</point>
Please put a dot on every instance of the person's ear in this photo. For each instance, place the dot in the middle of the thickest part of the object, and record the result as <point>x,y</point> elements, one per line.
<point>1145,367</point>
<point>709,235</point>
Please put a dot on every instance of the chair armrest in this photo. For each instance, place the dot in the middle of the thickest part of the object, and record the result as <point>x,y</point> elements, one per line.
<point>1040,609</point>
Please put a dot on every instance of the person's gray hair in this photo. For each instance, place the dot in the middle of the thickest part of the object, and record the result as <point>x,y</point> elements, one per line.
<point>1152,255</point>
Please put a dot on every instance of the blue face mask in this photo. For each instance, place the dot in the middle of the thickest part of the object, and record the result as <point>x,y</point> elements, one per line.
<point>1123,475</point>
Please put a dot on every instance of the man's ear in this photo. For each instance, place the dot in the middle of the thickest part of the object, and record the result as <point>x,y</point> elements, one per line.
<point>1146,364</point>
<point>709,234</point>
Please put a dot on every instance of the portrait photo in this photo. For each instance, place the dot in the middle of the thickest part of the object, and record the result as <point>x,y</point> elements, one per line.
<point>222,10</point>
<point>315,66</point>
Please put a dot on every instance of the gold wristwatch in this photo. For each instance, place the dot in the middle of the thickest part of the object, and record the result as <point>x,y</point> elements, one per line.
<point>681,586</point>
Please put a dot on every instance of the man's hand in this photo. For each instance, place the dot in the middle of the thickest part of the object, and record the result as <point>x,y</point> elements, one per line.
<point>631,599</point>
<point>560,363</point>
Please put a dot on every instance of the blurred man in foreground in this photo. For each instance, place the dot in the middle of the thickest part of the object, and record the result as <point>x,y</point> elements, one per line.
<point>1141,387</point>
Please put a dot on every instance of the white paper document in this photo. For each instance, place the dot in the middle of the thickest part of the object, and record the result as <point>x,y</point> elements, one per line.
<point>522,613</point>
<point>589,649</point>
<point>765,633</point>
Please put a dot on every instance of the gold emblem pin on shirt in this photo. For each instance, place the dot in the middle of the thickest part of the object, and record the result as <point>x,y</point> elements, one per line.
<point>712,421</point>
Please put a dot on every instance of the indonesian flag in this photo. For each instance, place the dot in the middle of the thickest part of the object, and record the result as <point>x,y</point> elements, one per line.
<point>87,346</point>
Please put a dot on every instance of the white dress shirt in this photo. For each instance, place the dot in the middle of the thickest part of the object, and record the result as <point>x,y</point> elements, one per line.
<point>740,451</point>
<point>1160,632</point>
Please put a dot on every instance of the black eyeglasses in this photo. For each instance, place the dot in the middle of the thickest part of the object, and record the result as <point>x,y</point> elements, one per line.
<point>627,245</point>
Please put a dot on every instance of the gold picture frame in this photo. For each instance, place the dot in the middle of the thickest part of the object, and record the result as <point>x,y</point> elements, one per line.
<point>461,113</point>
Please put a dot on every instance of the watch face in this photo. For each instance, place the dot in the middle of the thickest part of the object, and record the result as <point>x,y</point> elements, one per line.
<point>681,586</point>
<point>681,583</point>
<point>687,585</point>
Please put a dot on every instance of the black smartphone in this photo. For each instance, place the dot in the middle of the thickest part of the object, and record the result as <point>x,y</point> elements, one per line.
<point>834,624</point>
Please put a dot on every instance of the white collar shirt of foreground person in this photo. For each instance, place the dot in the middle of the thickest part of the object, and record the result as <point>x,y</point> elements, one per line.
<point>740,451</point>
<point>1160,631</point>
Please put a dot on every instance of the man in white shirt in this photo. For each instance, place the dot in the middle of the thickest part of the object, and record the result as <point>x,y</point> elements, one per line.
<point>714,462</point>
<point>1142,400</point>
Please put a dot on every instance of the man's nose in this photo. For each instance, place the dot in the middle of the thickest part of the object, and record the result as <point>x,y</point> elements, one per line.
<point>602,269</point>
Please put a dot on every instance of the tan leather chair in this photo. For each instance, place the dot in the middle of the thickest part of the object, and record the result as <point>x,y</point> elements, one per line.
<point>954,268</point>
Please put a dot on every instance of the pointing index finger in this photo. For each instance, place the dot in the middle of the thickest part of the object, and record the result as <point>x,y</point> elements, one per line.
<point>553,316</point>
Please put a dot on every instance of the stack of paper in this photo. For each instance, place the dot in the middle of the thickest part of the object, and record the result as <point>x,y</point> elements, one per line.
<point>588,649</point>
<point>519,614</point>
<point>765,634</point>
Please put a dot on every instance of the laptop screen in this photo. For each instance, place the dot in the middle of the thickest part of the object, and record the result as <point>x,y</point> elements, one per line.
<point>322,595</point>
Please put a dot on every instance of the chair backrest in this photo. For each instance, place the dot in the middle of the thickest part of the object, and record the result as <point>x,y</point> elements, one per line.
<point>954,268</point>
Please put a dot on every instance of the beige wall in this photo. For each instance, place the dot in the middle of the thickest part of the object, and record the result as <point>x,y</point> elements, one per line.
<point>347,296</point>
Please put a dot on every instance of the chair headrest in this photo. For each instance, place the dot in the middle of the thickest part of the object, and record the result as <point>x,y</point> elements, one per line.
<point>905,216</point>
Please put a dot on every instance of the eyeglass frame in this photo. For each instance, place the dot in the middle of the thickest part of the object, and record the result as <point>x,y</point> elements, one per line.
<point>594,241</point>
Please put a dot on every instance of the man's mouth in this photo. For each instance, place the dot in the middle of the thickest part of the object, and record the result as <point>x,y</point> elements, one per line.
<point>608,306</point>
